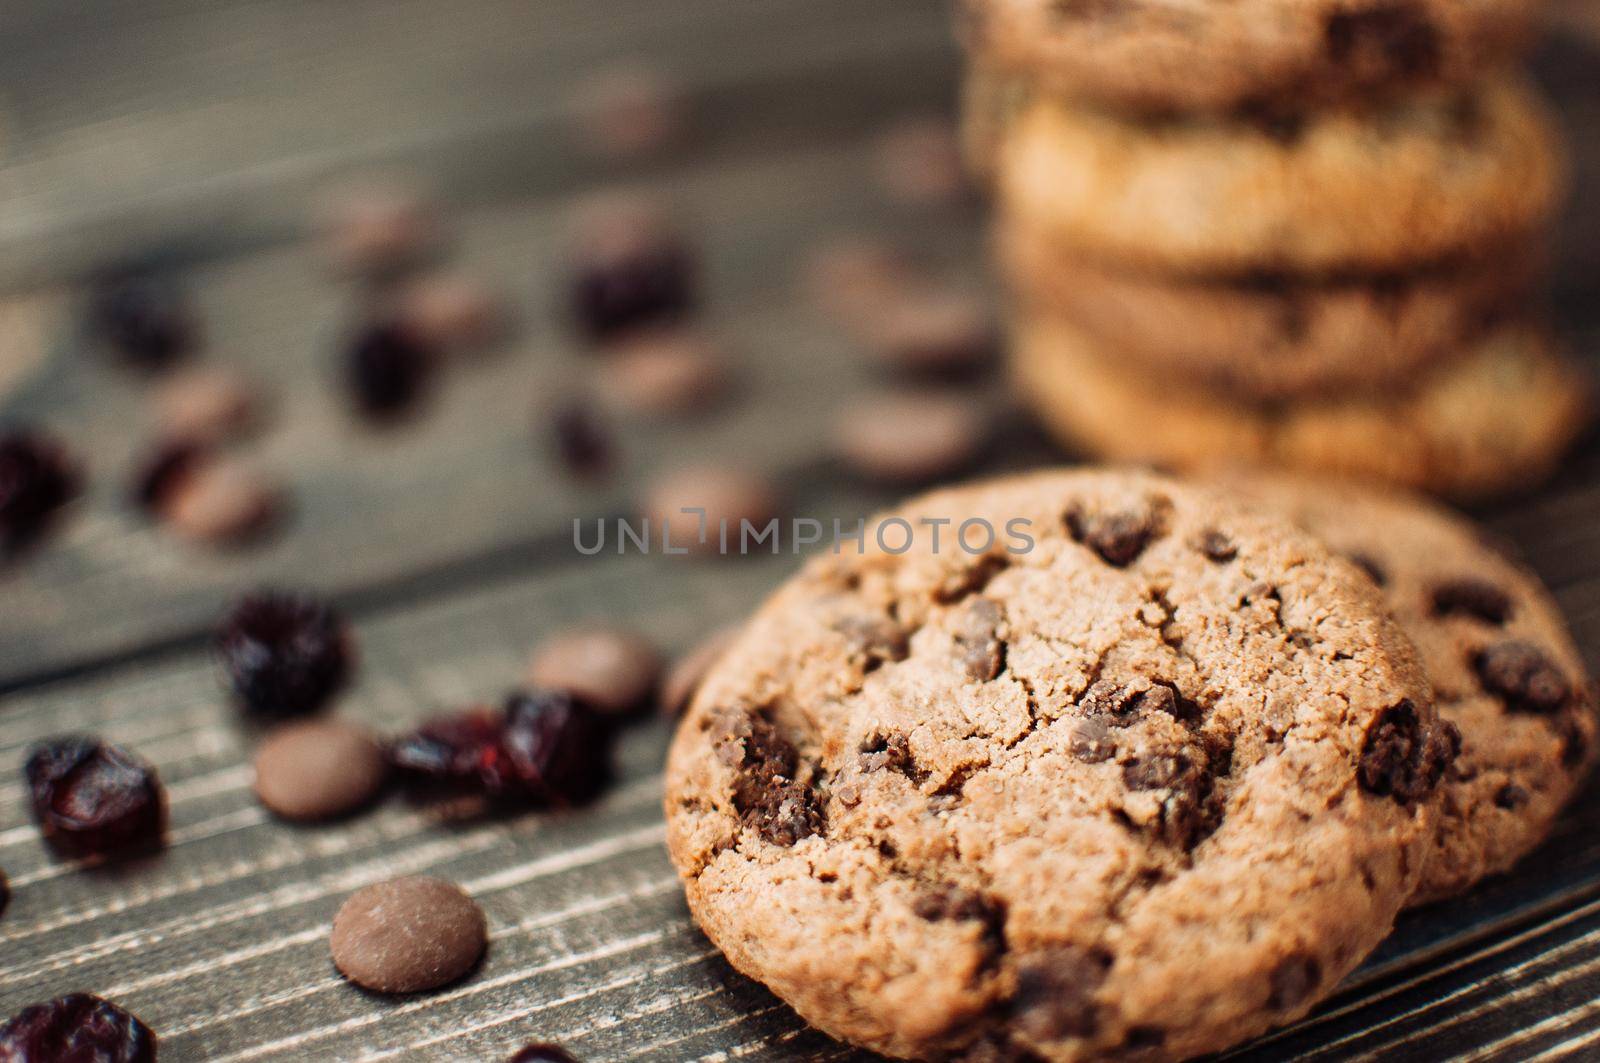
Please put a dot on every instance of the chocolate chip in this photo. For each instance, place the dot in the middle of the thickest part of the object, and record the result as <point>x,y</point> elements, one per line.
<point>888,753</point>
<point>1402,758</point>
<point>1186,815</point>
<point>1126,702</point>
<point>1472,597</point>
<point>1216,546</point>
<point>951,903</point>
<point>613,670</point>
<point>408,935</point>
<point>982,653</point>
<point>919,163</point>
<point>1383,42</point>
<point>876,639</point>
<point>36,480</point>
<point>1523,675</point>
<point>733,501</point>
<point>766,792</point>
<point>1092,741</point>
<point>222,502</point>
<point>156,478</point>
<point>663,373</point>
<point>377,229</point>
<point>1371,567</point>
<point>969,580</point>
<point>629,112</point>
<point>907,439</point>
<point>1143,1037</point>
<point>1512,797</point>
<point>1055,993</point>
<point>932,332</point>
<point>319,770</point>
<point>208,404</point>
<point>1574,736</point>
<point>686,674</point>
<point>1293,981</point>
<point>451,312</point>
<point>1119,538</point>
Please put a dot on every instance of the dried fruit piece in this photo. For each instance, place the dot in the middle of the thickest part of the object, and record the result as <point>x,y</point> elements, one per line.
<point>542,748</point>
<point>284,654</point>
<point>36,480</point>
<point>91,798</point>
<point>79,1028</point>
<point>630,270</point>
<point>387,369</point>
<point>143,319</point>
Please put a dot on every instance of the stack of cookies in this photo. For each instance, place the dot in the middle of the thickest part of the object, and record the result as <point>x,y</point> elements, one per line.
<point>1144,776</point>
<point>1292,232</point>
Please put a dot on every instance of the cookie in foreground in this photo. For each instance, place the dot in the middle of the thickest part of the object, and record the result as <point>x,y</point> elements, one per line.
<point>1147,779</point>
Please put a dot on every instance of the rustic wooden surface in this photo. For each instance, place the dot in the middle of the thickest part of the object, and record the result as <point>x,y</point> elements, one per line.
<point>199,130</point>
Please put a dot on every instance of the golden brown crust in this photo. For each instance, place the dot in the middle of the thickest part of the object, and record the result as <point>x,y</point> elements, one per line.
<point>1433,180</point>
<point>1271,337</point>
<point>1496,419</point>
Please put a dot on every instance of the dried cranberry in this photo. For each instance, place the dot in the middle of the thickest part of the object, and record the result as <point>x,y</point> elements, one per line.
<point>462,751</point>
<point>144,320</point>
<point>91,798</point>
<point>285,655</point>
<point>582,444</point>
<point>560,747</point>
<point>79,1028</point>
<point>543,748</point>
<point>157,480</point>
<point>36,480</point>
<point>387,369</point>
<point>543,1053</point>
<point>647,282</point>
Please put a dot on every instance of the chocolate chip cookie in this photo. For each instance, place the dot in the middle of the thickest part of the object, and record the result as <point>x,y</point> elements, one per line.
<point>1495,418</point>
<point>1003,798</point>
<point>1168,55</point>
<point>1271,335</point>
<point>1503,667</point>
<point>1432,179</point>
<point>990,98</point>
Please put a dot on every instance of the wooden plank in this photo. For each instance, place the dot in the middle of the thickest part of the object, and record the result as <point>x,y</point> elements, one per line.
<point>196,125</point>
<point>474,473</point>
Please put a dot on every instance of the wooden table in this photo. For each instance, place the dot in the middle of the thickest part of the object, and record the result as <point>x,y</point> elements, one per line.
<point>199,130</point>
